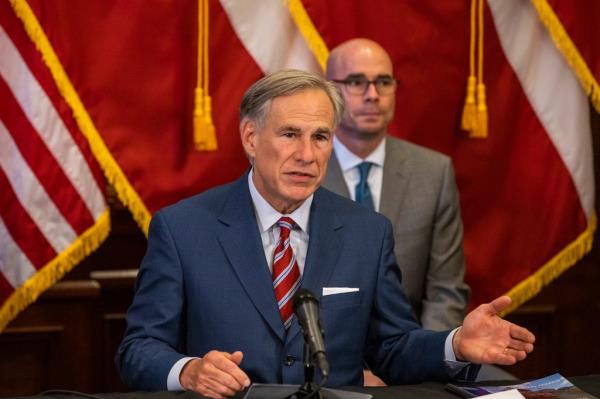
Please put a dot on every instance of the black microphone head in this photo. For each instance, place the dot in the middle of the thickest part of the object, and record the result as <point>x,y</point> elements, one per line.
<point>301,296</point>
<point>306,308</point>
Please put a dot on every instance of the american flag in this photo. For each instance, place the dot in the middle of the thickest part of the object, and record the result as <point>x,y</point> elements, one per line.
<point>52,207</point>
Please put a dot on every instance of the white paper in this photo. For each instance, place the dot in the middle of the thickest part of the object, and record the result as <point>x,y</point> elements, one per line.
<point>510,394</point>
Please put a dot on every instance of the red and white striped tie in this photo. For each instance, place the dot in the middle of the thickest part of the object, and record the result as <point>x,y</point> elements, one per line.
<point>286,273</point>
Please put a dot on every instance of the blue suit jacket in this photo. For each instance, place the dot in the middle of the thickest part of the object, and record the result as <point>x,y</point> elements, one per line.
<point>204,284</point>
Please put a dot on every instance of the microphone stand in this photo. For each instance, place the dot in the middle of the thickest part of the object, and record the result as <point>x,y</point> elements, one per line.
<point>309,389</point>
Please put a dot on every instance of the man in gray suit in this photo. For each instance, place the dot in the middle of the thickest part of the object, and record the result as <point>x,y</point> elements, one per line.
<point>411,185</point>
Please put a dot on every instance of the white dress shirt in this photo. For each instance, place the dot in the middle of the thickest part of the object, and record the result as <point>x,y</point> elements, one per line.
<point>349,164</point>
<point>267,217</point>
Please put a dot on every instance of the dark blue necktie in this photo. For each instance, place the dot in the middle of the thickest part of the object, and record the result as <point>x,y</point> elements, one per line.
<point>362,190</point>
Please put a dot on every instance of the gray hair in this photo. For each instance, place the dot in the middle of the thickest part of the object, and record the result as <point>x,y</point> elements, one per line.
<point>257,99</point>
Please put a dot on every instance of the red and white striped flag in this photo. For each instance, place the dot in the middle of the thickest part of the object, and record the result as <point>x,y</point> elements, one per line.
<point>526,190</point>
<point>52,207</point>
<point>557,110</point>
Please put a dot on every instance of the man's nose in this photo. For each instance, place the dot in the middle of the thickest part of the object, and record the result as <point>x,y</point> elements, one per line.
<point>304,150</point>
<point>371,92</point>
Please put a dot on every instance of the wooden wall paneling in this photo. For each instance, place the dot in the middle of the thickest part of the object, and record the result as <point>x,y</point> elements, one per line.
<point>117,294</point>
<point>27,351</point>
<point>52,344</point>
<point>113,327</point>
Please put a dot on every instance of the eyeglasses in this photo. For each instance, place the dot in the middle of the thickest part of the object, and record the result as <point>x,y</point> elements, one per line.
<point>360,84</point>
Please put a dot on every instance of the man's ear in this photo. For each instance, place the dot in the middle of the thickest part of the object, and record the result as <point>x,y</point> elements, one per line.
<point>248,136</point>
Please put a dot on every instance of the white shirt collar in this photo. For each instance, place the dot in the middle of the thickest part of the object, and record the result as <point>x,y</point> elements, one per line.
<point>267,216</point>
<point>349,160</point>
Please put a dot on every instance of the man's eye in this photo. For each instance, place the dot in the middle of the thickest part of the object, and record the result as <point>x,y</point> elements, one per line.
<point>321,137</point>
<point>289,134</point>
<point>355,82</point>
<point>384,82</point>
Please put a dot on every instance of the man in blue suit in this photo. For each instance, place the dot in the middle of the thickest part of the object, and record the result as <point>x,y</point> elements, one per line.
<point>211,311</point>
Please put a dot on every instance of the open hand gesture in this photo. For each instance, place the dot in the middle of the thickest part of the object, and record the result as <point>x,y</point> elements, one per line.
<point>485,338</point>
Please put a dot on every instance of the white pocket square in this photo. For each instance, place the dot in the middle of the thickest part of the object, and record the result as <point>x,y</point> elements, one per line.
<point>338,290</point>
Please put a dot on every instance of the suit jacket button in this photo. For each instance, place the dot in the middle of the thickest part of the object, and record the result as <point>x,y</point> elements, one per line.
<point>289,360</point>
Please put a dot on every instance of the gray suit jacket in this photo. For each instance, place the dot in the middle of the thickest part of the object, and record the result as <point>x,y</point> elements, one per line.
<point>420,198</point>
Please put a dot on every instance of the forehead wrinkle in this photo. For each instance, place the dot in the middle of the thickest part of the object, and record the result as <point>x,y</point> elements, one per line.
<point>300,114</point>
<point>306,113</point>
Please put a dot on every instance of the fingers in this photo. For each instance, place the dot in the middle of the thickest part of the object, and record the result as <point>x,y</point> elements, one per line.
<point>509,356</point>
<point>499,304</point>
<point>223,369</point>
<point>216,375</point>
<point>209,393</point>
<point>520,345</point>
<point>504,360</point>
<point>521,333</point>
<point>237,357</point>
<point>232,368</point>
<point>520,339</point>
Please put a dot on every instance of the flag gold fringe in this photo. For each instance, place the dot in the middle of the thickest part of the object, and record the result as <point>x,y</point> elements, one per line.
<point>205,138</point>
<point>309,32</point>
<point>566,258</point>
<point>565,45</point>
<point>111,168</point>
<point>54,270</point>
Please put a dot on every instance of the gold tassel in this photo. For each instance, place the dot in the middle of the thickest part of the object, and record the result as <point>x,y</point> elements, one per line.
<point>481,128</point>
<point>469,120</point>
<point>205,138</point>
<point>204,131</point>
<point>475,116</point>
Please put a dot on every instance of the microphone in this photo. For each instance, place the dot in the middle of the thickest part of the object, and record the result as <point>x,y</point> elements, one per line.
<point>306,308</point>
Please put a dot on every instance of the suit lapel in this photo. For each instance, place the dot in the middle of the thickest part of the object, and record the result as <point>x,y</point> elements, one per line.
<point>324,248</point>
<point>334,180</point>
<point>395,181</point>
<point>240,238</point>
